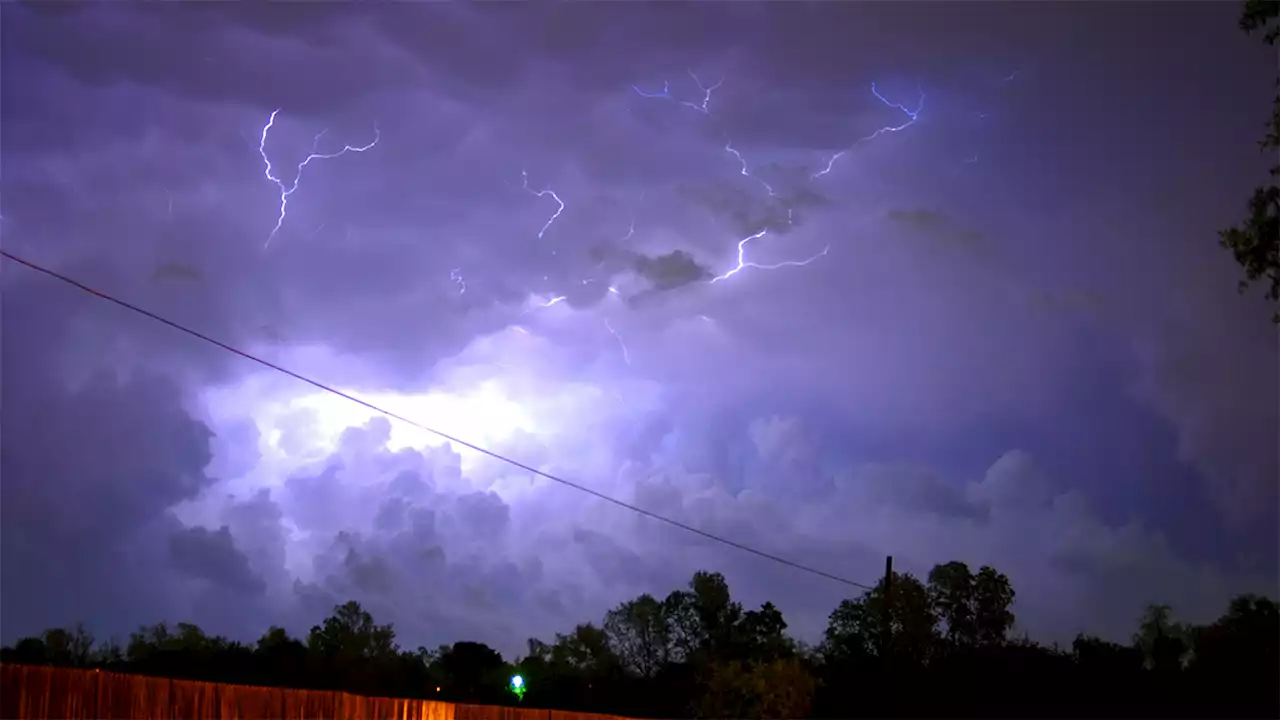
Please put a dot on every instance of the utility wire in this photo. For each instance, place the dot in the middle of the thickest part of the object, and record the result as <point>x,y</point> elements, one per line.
<point>433,431</point>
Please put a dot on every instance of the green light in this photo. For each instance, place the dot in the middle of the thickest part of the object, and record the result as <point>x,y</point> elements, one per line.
<point>517,686</point>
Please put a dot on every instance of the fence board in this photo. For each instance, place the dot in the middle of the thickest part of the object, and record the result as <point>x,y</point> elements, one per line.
<point>29,692</point>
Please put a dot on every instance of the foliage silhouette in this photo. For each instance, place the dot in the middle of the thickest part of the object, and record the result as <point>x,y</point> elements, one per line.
<point>948,651</point>
<point>1255,242</point>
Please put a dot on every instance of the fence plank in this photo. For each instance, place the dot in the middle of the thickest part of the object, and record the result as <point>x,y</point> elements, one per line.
<point>29,692</point>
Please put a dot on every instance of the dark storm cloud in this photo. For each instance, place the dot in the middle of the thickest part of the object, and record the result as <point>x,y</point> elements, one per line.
<point>180,272</point>
<point>91,468</point>
<point>937,225</point>
<point>671,270</point>
<point>297,50</point>
<point>756,407</point>
<point>212,555</point>
<point>258,533</point>
<point>747,213</point>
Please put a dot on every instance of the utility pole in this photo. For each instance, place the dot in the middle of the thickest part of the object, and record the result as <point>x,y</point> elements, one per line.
<point>887,633</point>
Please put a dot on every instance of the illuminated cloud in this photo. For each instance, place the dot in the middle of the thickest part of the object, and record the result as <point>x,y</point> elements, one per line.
<point>1079,399</point>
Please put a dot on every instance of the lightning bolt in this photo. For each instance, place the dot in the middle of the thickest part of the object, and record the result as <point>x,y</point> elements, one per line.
<point>912,116</point>
<point>631,231</point>
<point>543,193</point>
<point>743,264</point>
<point>287,190</point>
<point>612,290</point>
<point>706,94</point>
<point>456,276</point>
<point>544,304</point>
<point>745,172</point>
<point>665,94</point>
<point>631,227</point>
<point>626,355</point>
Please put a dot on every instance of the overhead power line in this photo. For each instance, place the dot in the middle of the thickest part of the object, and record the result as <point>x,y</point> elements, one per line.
<point>515,463</point>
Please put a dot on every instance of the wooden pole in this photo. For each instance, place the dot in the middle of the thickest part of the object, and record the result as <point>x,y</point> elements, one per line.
<point>887,634</point>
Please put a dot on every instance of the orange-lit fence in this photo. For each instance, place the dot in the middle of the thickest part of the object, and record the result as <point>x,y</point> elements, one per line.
<point>45,693</point>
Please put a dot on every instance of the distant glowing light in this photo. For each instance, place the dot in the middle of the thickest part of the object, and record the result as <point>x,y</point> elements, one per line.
<point>483,414</point>
<point>517,686</point>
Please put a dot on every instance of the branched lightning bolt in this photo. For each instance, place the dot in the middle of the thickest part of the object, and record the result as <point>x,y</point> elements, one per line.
<point>665,94</point>
<point>456,276</point>
<point>287,190</point>
<point>543,193</point>
<point>706,94</point>
<point>912,116</point>
<point>743,264</point>
<point>626,355</point>
<point>742,244</point>
<point>745,172</point>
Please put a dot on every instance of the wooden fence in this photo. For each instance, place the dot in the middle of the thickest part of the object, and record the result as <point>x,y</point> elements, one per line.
<point>30,692</point>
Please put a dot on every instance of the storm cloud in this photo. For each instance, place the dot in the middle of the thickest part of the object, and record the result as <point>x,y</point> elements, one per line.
<point>1000,333</point>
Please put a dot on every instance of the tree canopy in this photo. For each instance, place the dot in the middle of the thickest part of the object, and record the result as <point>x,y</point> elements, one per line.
<point>1255,241</point>
<point>944,645</point>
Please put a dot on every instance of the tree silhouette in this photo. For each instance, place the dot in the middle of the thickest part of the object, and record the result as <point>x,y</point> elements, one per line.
<point>951,587</point>
<point>473,671</point>
<point>637,630</point>
<point>948,651</point>
<point>350,633</point>
<point>992,602</point>
<point>857,628</point>
<point>1163,642</point>
<point>1255,242</point>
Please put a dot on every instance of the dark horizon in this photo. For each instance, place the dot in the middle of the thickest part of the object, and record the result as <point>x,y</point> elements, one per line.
<point>697,652</point>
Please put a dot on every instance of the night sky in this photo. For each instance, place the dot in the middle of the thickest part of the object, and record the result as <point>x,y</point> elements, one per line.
<point>1000,330</point>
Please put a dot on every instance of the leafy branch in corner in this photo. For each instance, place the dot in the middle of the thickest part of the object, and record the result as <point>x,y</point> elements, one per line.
<point>1255,242</point>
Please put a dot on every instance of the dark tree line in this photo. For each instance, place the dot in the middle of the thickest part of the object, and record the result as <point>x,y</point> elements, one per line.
<point>941,646</point>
